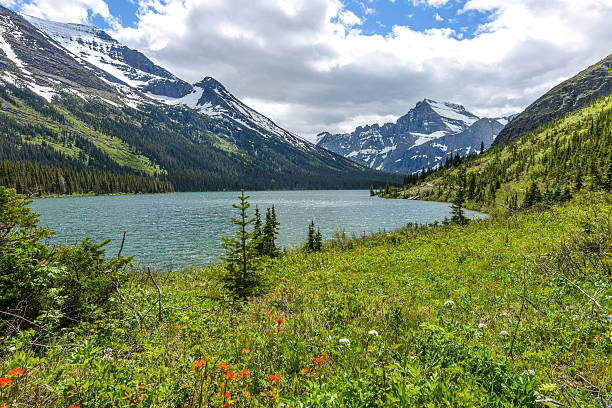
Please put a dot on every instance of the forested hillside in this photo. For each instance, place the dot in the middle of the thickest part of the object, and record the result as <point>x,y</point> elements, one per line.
<point>151,149</point>
<point>548,165</point>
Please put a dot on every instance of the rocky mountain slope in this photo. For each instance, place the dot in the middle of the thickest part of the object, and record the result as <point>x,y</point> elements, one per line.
<point>423,138</point>
<point>586,87</point>
<point>90,97</point>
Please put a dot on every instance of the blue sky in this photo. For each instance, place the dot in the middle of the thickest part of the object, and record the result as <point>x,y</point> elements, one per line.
<point>332,65</point>
<point>379,16</point>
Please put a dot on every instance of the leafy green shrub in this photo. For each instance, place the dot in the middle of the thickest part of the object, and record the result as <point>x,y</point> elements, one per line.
<point>41,287</point>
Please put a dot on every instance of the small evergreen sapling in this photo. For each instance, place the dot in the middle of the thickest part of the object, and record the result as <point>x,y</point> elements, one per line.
<point>315,239</point>
<point>458,217</point>
<point>270,231</point>
<point>241,258</point>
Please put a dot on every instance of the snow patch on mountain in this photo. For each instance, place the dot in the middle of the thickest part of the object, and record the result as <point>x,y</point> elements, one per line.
<point>451,111</point>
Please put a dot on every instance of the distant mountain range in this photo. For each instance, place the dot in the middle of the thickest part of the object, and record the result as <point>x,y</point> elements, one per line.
<point>423,138</point>
<point>99,104</point>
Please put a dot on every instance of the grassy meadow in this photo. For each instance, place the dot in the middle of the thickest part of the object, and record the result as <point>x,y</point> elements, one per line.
<point>512,311</point>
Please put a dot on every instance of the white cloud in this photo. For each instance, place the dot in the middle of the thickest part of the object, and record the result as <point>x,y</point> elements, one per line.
<point>308,66</point>
<point>431,3</point>
<point>72,11</point>
<point>437,17</point>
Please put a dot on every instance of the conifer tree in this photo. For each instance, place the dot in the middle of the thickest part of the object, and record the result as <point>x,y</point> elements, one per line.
<point>241,258</point>
<point>310,241</point>
<point>578,181</point>
<point>257,232</point>
<point>458,217</point>
<point>532,195</point>
<point>269,233</point>
<point>318,241</point>
<point>314,243</point>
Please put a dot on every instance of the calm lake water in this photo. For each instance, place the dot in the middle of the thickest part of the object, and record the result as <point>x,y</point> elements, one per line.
<point>175,230</point>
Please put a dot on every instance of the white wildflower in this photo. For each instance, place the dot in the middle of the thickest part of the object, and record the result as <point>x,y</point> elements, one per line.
<point>13,349</point>
<point>373,333</point>
<point>346,342</point>
<point>504,333</point>
<point>449,303</point>
<point>482,326</point>
<point>531,372</point>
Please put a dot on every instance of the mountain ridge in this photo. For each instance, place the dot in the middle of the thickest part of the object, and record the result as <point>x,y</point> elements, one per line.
<point>213,142</point>
<point>419,139</point>
<point>587,86</point>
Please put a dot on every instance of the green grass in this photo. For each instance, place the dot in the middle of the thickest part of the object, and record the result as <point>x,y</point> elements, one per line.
<point>425,291</point>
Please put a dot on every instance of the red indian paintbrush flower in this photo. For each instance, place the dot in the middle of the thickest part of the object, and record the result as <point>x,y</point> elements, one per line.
<point>318,360</point>
<point>245,350</point>
<point>17,372</point>
<point>230,375</point>
<point>198,364</point>
<point>223,366</point>
<point>244,373</point>
<point>5,382</point>
<point>273,377</point>
<point>279,320</point>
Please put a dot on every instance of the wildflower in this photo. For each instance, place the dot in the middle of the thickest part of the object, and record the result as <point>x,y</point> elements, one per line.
<point>198,364</point>
<point>245,350</point>
<point>482,326</point>
<point>230,375</point>
<point>17,372</point>
<point>531,372</point>
<point>324,354</point>
<point>223,366</point>
<point>504,333</point>
<point>318,360</point>
<point>244,373</point>
<point>303,371</point>
<point>346,342</point>
<point>270,315</point>
<point>455,294</point>
<point>74,406</point>
<point>279,320</point>
<point>5,382</point>
<point>43,262</point>
<point>425,309</point>
<point>184,383</point>
<point>449,303</point>
<point>373,333</point>
<point>12,349</point>
<point>273,377</point>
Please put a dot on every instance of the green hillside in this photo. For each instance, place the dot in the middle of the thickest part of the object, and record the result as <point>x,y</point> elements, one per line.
<point>175,146</point>
<point>552,163</point>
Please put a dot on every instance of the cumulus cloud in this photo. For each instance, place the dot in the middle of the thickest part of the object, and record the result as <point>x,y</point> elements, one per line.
<point>70,11</point>
<point>308,66</point>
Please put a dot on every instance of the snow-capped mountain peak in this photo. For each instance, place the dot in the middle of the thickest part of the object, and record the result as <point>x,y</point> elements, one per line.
<point>127,67</point>
<point>423,137</point>
<point>94,46</point>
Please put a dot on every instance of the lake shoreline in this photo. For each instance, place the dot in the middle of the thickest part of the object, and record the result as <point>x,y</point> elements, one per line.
<point>186,228</point>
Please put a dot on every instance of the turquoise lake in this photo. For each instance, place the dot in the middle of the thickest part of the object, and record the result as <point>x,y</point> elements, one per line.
<point>182,229</point>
